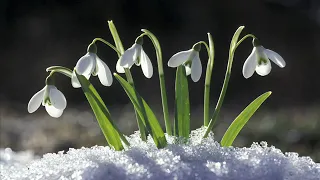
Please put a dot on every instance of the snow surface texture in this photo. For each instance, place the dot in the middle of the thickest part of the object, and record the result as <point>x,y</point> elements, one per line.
<point>194,160</point>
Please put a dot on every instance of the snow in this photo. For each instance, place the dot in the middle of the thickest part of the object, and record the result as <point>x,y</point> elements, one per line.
<point>193,160</point>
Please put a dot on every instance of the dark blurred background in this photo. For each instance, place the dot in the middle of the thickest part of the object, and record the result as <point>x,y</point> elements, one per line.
<point>36,34</point>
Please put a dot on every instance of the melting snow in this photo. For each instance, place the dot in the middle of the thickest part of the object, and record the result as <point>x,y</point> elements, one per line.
<point>194,160</point>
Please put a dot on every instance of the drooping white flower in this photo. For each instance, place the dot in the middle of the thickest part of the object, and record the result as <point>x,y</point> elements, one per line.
<point>51,98</point>
<point>135,55</point>
<point>91,64</point>
<point>259,61</point>
<point>191,60</point>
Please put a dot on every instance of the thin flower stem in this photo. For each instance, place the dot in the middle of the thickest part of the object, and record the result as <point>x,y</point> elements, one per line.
<point>120,51</point>
<point>60,69</point>
<point>206,98</point>
<point>164,100</point>
<point>206,101</point>
<point>107,43</point>
<point>244,37</point>
<point>225,85</point>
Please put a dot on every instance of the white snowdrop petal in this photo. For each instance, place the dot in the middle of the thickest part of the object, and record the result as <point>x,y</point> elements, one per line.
<point>74,80</point>
<point>275,57</point>
<point>119,68</point>
<point>146,64</point>
<point>127,58</point>
<point>36,101</point>
<point>196,68</point>
<point>137,51</point>
<point>249,65</point>
<point>180,58</point>
<point>104,73</point>
<point>188,70</point>
<point>86,65</point>
<point>53,112</point>
<point>264,68</point>
<point>57,99</point>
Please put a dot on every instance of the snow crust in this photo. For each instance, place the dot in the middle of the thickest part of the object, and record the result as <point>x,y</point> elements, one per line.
<point>193,160</point>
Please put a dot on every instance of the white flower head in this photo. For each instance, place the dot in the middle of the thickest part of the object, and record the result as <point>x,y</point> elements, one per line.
<point>51,98</point>
<point>191,60</point>
<point>135,55</point>
<point>91,64</point>
<point>259,61</point>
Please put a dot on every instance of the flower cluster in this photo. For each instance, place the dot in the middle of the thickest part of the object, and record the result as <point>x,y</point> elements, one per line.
<point>91,64</point>
<point>187,63</point>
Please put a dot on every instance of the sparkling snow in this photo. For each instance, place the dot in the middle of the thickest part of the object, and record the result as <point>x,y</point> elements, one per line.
<point>194,160</point>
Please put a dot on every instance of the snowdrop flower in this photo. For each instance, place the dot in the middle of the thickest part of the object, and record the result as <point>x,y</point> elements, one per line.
<point>135,55</point>
<point>259,61</point>
<point>51,98</point>
<point>91,64</point>
<point>190,59</point>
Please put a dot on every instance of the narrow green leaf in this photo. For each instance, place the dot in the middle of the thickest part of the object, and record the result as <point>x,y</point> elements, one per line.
<point>145,113</point>
<point>102,114</point>
<point>182,104</point>
<point>116,37</point>
<point>242,119</point>
<point>235,38</point>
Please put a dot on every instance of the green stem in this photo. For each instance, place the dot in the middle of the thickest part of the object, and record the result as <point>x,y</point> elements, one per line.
<point>107,43</point>
<point>206,104</point>
<point>60,69</point>
<point>120,51</point>
<point>225,85</point>
<point>244,37</point>
<point>164,100</point>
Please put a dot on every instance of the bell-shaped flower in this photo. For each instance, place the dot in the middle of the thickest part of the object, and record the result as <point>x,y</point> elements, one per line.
<point>191,60</point>
<point>51,98</point>
<point>135,55</point>
<point>91,64</point>
<point>259,61</point>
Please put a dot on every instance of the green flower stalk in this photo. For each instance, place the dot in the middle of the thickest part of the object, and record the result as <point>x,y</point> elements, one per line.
<point>206,99</point>
<point>120,49</point>
<point>164,100</point>
<point>233,46</point>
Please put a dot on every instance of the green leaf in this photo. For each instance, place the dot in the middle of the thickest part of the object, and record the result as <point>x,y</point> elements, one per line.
<point>235,38</point>
<point>102,114</point>
<point>242,119</point>
<point>146,114</point>
<point>182,104</point>
<point>116,37</point>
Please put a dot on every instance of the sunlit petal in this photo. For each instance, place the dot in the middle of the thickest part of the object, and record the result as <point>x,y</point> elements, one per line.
<point>263,69</point>
<point>180,58</point>
<point>146,64</point>
<point>249,65</point>
<point>275,57</point>
<point>196,68</point>
<point>188,70</point>
<point>119,68</point>
<point>74,80</point>
<point>53,112</point>
<point>137,52</point>
<point>104,73</point>
<point>129,56</point>
<point>57,99</point>
<point>86,64</point>
<point>36,101</point>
